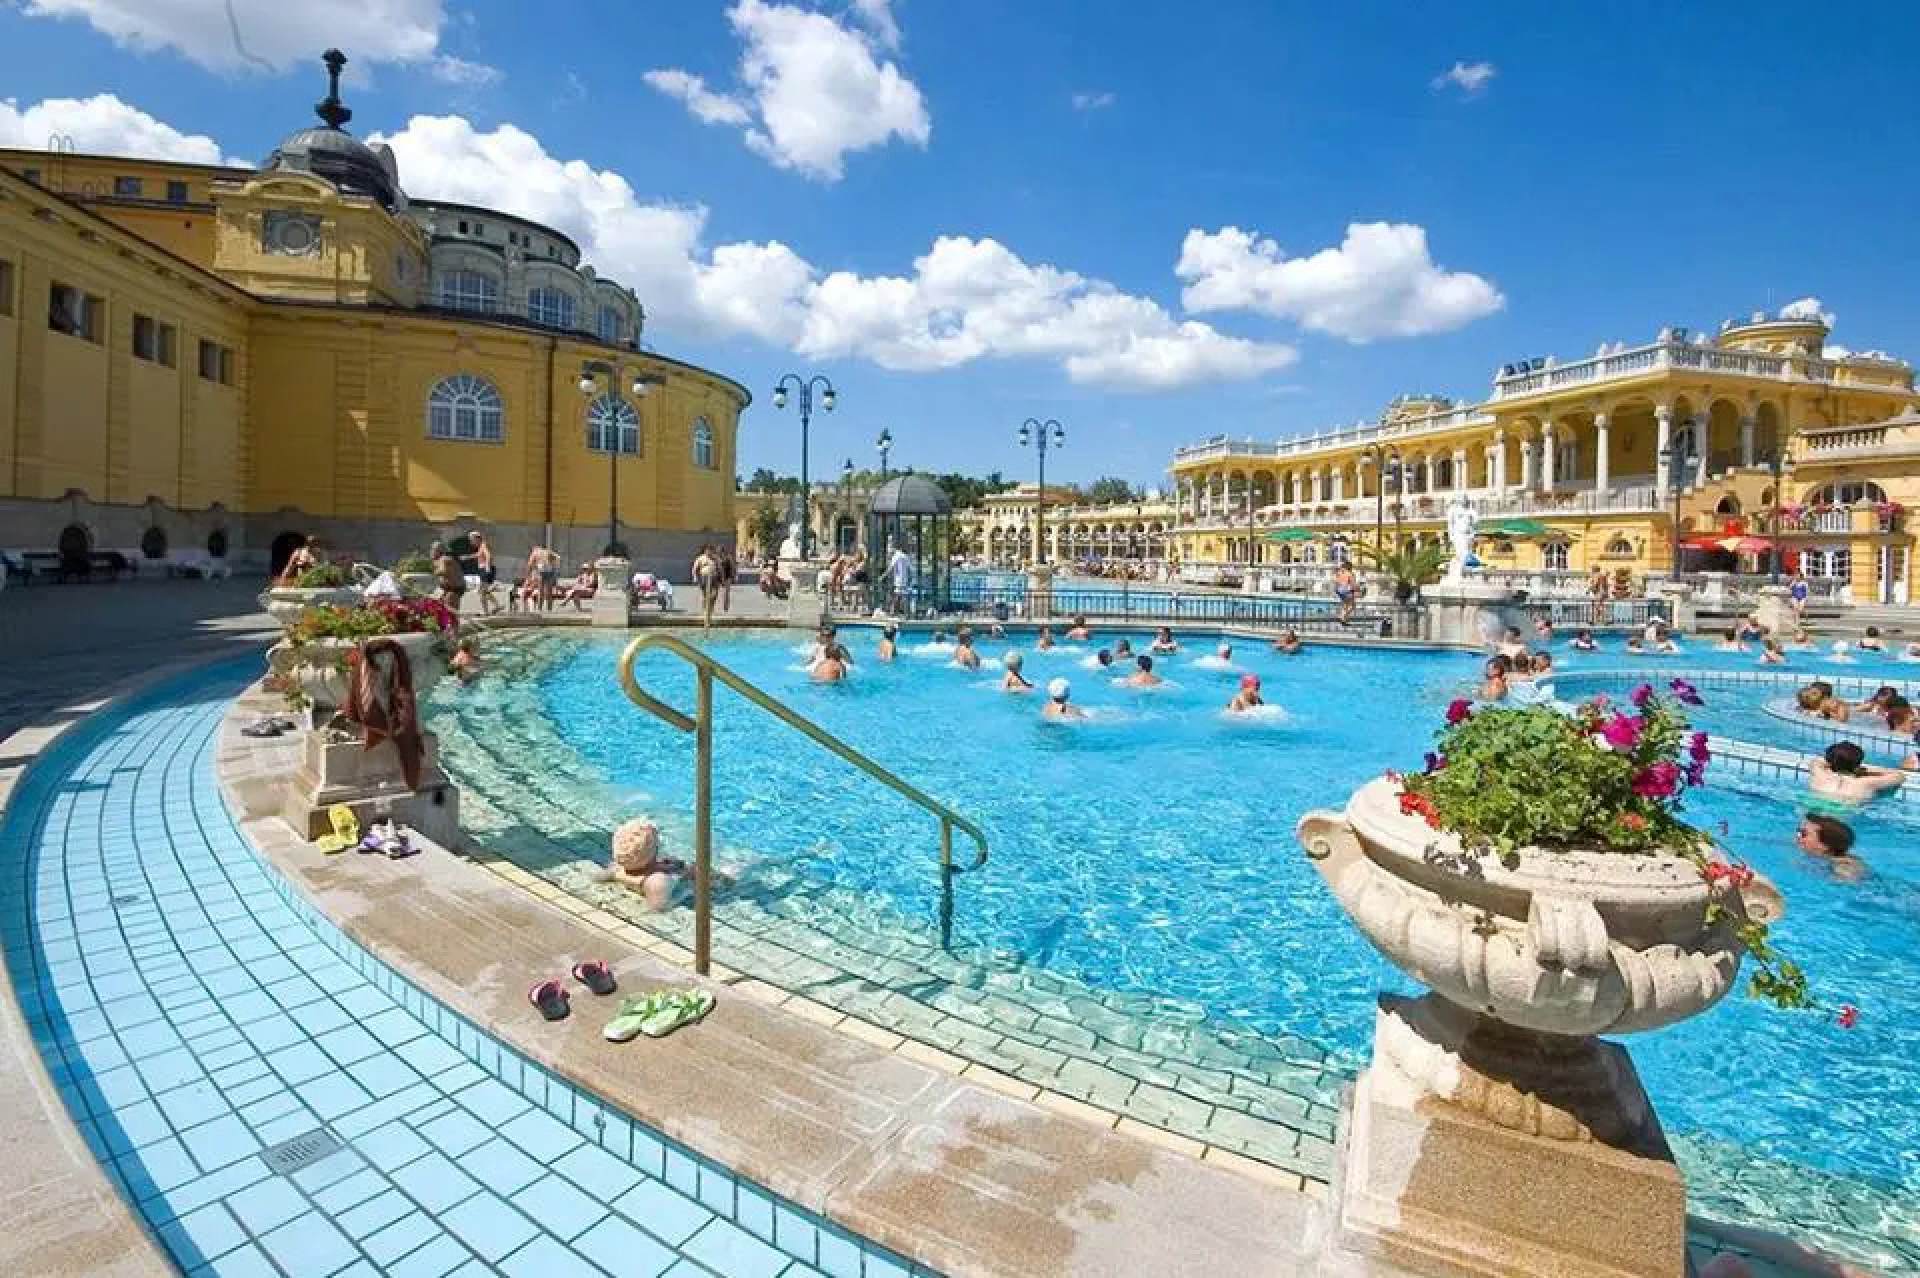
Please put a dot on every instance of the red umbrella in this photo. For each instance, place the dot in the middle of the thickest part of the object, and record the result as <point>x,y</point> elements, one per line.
<point>1737,545</point>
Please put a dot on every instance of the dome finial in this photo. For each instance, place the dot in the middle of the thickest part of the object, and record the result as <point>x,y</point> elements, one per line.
<point>330,109</point>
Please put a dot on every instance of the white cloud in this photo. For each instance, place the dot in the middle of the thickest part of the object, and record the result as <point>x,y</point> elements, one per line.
<point>1807,308</point>
<point>261,33</point>
<point>463,74</point>
<point>1470,78</point>
<point>964,300</point>
<point>1380,282</point>
<point>711,107</point>
<point>1093,101</point>
<point>811,89</point>
<point>877,17</point>
<point>104,125</point>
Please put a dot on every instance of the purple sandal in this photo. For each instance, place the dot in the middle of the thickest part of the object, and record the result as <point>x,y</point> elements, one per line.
<point>596,976</point>
<point>551,998</point>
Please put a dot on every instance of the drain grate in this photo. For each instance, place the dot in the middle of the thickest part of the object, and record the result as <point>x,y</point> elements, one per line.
<point>297,1153</point>
<point>129,898</point>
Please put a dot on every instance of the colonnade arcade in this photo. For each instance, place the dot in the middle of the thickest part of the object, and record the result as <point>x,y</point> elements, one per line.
<point>1011,544</point>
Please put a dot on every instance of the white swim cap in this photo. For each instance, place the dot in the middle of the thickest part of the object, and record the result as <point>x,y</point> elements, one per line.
<point>1058,689</point>
<point>1011,661</point>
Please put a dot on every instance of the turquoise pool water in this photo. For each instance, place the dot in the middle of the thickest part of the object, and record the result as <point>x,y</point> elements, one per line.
<point>1150,849</point>
<point>195,1013</point>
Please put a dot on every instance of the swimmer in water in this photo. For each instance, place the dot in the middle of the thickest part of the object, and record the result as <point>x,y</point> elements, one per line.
<point>1634,644</point>
<point>1843,773</point>
<point>1510,645</point>
<point>1163,644</point>
<point>1817,699</point>
<point>1103,659</point>
<point>1224,652</point>
<point>1871,641</point>
<point>889,642</point>
<point>996,631</point>
<point>1771,653</point>
<point>1288,644</point>
<point>1730,641</point>
<point>1542,630</point>
<point>1058,704</point>
<point>1831,840</point>
<point>1583,641</point>
<point>939,639</point>
<point>1122,649</point>
<point>1877,703</point>
<point>963,654</point>
<point>1494,686</point>
<point>1014,681</point>
<point>1045,642</point>
<point>832,665</point>
<point>1249,695</point>
<point>1143,676</point>
<point>1078,632</point>
<point>1751,631</point>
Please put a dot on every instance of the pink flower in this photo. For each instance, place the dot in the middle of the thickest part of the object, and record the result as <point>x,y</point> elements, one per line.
<point>1685,693</point>
<point>1657,780</point>
<point>1459,711</point>
<point>1697,749</point>
<point>1435,762</point>
<point>1623,732</point>
<point>1696,773</point>
<point>1642,695</point>
<point>1849,1016</point>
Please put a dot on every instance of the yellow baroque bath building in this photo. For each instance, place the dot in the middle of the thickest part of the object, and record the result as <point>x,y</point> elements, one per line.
<point>1752,432</point>
<point>195,356</point>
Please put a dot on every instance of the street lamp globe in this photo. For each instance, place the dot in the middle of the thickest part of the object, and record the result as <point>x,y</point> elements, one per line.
<point>587,383</point>
<point>885,441</point>
<point>846,469</point>
<point>1059,433</point>
<point>641,386</point>
<point>1026,436</point>
<point>779,397</point>
<point>827,398</point>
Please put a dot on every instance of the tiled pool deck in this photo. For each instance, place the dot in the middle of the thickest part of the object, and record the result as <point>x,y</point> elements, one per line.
<point>194,1013</point>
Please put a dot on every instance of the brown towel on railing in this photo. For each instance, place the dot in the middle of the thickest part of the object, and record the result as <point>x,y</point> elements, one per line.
<point>389,711</point>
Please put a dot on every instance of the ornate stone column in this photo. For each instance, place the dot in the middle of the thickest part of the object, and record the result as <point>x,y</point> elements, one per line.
<point>1460,484</point>
<point>1702,438</point>
<point>1319,483</point>
<point>1662,443</point>
<point>1526,465</point>
<point>1549,463</point>
<point>1746,439</point>
<point>1601,466</point>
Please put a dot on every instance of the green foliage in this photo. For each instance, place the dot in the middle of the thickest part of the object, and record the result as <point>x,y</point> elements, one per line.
<point>322,577</point>
<point>1410,566</point>
<point>965,490</point>
<point>765,481</point>
<point>413,563</point>
<point>768,529</point>
<point>1110,490</point>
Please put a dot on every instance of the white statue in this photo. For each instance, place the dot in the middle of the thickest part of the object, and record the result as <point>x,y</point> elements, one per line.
<point>1460,525</point>
<point>790,548</point>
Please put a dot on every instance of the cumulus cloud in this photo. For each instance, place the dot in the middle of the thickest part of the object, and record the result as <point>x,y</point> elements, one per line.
<point>232,35</point>
<point>877,17</point>
<point>463,74</point>
<point>1380,282</point>
<point>1807,308</point>
<point>104,125</point>
<point>811,88</point>
<point>1471,78</point>
<point>1092,101</point>
<point>964,300</point>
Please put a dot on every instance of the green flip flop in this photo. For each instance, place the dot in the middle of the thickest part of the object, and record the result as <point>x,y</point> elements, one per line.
<point>677,1008</point>
<point>627,1022</point>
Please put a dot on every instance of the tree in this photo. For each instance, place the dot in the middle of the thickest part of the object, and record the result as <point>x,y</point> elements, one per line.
<point>767,529</point>
<point>965,491</point>
<point>765,481</point>
<point>1411,565</point>
<point>1110,490</point>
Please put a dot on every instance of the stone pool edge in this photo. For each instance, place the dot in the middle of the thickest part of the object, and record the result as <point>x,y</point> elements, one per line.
<point>896,1148</point>
<point>72,1219</point>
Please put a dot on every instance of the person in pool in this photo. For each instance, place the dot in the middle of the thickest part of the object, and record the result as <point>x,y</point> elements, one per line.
<point>1224,652</point>
<point>1877,703</point>
<point>963,654</point>
<point>1844,773</point>
<point>1511,645</point>
<point>1542,665</point>
<point>1830,839</point>
<point>1078,632</point>
<point>1249,695</point>
<point>1104,658</point>
<point>1771,653</point>
<point>1871,641</point>
<point>1542,630</point>
<point>1045,642</point>
<point>1750,629</point>
<point>996,631</point>
<point>1122,649</point>
<point>1664,642</point>
<point>1802,639</point>
<point>1494,686</point>
<point>889,642</point>
<point>1288,644</point>
<point>1583,641</point>
<point>831,666</point>
<point>1059,704</point>
<point>1143,675</point>
<point>1634,644</point>
<point>1817,699</point>
<point>1163,644</point>
<point>1730,641</point>
<point>1013,680</point>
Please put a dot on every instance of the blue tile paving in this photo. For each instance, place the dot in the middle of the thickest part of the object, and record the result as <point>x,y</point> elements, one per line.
<point>195,1012</point>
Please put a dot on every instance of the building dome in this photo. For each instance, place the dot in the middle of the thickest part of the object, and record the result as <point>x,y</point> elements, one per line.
<point>330,152</point>
<point>911,495</point>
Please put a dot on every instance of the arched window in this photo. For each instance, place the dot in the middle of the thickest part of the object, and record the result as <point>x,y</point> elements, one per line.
<point>1553,556</point>
<point>550,306</point>
<point>465,407</point>
<point>611,423</point>
<point>607,325</point>
<point>702,443</point>
<point>1619,548</point>
<point>1847,494</point>
<point>469,291</point>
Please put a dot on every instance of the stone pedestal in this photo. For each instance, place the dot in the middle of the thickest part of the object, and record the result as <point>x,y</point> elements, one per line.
<point>1040,592</point>
<point>1679,595</point>
<point>1776,611</point>
<point>1465,612</point>
<point>609,604</point>
<point>337,769</point>
<point>1472,1148</point>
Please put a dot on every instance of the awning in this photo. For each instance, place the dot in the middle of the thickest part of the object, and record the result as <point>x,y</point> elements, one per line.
<point>1512,528</point>
<point>1736,544</point>
<point>1290,534</point>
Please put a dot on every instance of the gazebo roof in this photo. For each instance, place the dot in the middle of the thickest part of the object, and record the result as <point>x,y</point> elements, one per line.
<point>911,495</point>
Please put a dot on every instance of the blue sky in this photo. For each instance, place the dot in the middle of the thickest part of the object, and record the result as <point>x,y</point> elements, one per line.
<point>1588,175</point>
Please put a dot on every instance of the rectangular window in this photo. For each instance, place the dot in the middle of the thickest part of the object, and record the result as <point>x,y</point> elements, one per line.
<point>31,175</point>
<point>176,192</point>
<point>6,287</point>
<point>129,186</point>
<point>463,228</point>
<point>216,362</point>
<point>74,312</point>
<point>146,338</point>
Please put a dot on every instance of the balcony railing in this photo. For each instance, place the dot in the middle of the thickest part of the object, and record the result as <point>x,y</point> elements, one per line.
<point>1321,441</point>
<point>1679,354</point>
<point>1622,499</point>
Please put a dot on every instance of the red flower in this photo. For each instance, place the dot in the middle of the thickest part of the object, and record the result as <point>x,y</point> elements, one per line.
<point>1642,695</point>
<point>1634,821</point>
<point>1411,804</point>
<point>1849,1016</point>
<point>1459,711</point>
<point>1622,732</point>
<point>1657,780</point>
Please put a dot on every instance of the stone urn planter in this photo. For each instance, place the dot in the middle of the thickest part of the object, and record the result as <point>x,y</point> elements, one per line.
<point>285,603</point>
<point>1492,1131</point>
<point>317,669</point>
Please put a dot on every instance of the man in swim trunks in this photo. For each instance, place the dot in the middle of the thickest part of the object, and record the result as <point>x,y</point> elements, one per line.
<point>889,636</point>
<point>963,654</point>
<point>1345,589</point>
<point>1288,644</point>
<point>1843,773</point>
<point>1144,677</point>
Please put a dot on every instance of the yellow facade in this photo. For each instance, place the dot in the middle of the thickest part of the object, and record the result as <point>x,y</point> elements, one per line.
<point>206,349</point>
<point>1595,451</point>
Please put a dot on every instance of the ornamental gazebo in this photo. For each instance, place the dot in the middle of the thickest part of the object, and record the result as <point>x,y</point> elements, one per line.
<point>913,513</point>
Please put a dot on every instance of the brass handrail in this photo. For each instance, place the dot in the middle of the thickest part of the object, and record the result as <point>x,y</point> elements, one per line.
<point>700,723</point>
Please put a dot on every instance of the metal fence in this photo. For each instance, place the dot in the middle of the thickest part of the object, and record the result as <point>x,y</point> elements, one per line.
<point>1597,614</point>
<point>1001,600</point>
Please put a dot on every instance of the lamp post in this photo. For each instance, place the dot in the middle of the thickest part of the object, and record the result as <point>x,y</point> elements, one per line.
<point>1042,436</point>
<point>806,387</point>
<point>885,445</point>
<point>1679,455</point>
<point>1383,464</point>
<point>1779,462</point>
<point>846,502</point>
<point>591,372</point>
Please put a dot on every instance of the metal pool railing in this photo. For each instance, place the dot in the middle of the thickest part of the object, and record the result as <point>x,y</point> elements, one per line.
<point>1598,614</point>
<point>700,724</point>
<point>966,600</point>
